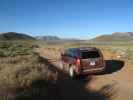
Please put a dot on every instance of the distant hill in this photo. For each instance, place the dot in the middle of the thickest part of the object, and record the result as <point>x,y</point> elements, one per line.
<point>15,36</point>
<point>57,39</point>
<point>47,38</point>
<point>117,36</point>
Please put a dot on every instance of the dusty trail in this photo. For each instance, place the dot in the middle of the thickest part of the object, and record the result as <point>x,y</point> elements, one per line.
<point>117,75</point>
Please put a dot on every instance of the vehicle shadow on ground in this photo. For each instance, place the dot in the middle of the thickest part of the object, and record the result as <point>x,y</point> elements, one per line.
<point>113,66</point>
<point>65,88</point>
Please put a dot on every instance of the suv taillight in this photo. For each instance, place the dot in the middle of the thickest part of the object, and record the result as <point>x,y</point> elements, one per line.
<point>78,61</point>
<point>78,65</point>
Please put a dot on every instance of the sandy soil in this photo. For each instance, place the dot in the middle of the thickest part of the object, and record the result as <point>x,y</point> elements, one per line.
<point>116,81</point>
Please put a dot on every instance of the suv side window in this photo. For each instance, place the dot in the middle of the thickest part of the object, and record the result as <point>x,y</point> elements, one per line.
<point>66,52</point>
<point>70,52</point>
<point>73,53</point>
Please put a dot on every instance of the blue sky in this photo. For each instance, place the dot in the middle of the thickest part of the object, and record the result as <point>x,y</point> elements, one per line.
<point>66,18</point>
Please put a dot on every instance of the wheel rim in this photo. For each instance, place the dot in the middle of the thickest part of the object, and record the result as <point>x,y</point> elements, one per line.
<point>61,65</point>
<point>71,72</point>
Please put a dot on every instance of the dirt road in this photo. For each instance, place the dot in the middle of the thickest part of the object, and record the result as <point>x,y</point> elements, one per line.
<point>116,83</point>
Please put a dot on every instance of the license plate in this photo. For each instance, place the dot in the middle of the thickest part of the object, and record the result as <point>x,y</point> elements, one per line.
<point>92,63</point>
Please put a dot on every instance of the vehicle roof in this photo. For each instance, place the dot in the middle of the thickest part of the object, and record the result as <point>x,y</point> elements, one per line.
<point>85,48</point>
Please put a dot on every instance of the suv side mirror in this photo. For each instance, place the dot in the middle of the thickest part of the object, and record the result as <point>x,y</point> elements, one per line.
<point>62,53</point>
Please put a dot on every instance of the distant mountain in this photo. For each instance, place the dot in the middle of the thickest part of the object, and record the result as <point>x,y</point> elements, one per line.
<point>15,36</point>
<point>116,36</point>
<point>47,38</point>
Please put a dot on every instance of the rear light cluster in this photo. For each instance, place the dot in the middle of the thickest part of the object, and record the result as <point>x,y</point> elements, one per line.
<point>78,62</point>
<point>101,61</point>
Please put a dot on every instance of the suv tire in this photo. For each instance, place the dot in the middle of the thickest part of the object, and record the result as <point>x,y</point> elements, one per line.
<point>61,65</point>
<point>72,73</point>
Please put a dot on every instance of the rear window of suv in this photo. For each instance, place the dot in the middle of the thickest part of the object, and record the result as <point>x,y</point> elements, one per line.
<point>89,54</point>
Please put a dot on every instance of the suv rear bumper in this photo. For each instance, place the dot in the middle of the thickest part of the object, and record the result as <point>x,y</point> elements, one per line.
<point>95,70</point>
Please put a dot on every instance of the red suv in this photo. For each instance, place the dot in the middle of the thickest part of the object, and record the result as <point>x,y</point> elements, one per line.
<point>78,61</point>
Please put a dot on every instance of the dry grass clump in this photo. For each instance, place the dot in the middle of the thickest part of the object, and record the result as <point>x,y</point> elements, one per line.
<point>20,67</point>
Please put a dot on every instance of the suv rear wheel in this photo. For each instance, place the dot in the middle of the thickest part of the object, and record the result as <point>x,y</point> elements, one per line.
<point>61,65</point>
<point>72,73</point>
